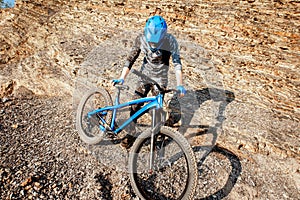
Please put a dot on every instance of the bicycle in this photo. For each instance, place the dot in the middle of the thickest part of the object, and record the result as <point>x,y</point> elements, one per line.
<point>161,162</point>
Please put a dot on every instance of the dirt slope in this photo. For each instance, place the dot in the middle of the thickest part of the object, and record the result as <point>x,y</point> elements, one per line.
<point>245,51</point>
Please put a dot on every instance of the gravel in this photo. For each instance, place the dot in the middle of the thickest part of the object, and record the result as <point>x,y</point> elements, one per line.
<point>42,157</point>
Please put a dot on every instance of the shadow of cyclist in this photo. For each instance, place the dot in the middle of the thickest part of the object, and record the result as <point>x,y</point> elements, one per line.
<point>205,124</point>
<point>196,121</point>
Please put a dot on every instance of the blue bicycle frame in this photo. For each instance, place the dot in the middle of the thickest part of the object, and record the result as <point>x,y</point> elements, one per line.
<point>155,102</point>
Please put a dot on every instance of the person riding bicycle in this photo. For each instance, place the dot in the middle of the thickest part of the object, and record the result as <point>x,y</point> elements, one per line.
<point>158,47</point>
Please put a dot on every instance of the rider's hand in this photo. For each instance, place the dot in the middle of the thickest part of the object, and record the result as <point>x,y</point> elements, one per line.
<point>117,81</point>
<point>181,90</point>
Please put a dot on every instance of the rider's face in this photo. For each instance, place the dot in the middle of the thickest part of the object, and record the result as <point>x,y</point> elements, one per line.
<point>153,45</point>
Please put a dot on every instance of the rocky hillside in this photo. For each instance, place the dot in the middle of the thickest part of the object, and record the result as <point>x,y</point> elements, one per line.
<point>247,49</point>
<point>253,45</point>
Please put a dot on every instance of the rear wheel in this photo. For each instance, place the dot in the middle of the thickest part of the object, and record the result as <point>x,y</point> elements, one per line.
<point>174,171</point>
<point>88,126</point>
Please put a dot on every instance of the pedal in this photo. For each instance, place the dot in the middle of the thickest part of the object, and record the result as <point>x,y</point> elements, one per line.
<point>111,135</point>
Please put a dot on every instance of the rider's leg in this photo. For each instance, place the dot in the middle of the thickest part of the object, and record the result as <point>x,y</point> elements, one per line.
<point>141,91</point>
<point>155,92</point>
<point>174,111</point>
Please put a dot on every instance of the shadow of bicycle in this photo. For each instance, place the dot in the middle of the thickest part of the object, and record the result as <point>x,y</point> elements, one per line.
<point>201,114</point>
<point>236,169</point>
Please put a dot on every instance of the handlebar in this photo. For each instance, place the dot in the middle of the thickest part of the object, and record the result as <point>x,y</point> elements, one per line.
<point>150,80</point>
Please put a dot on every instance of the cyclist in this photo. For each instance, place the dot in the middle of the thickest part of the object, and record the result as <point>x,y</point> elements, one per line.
<point>158,47</point>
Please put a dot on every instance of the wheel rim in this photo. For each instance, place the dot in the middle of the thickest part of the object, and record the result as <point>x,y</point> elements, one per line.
<point>170,177</point>
<point>90,125</point>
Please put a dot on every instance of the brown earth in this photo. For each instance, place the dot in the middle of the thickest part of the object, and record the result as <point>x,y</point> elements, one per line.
<point>246,51</point>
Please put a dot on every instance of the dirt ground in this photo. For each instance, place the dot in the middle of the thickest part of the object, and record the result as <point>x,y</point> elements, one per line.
<point>42,157</point>
<point>241,67</point>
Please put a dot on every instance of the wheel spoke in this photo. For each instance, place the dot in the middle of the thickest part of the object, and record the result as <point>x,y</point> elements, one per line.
<point>89,125</point>
<point>170,176</point>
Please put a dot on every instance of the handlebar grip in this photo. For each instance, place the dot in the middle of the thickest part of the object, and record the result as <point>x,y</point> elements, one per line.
<point>171,90</point>
<point>122,87</point>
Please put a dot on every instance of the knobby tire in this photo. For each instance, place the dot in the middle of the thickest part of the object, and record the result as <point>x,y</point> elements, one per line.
<point>145,184</point>
<point>88,129</point>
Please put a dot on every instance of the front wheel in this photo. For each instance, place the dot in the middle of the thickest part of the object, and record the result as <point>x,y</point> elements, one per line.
<point>174,171</point>
<point>89,126</point>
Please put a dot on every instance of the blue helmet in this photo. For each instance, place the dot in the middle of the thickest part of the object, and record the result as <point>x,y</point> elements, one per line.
<point>155,29</point>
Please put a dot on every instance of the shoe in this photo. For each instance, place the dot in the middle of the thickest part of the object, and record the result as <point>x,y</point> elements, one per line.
<point>128,141</point>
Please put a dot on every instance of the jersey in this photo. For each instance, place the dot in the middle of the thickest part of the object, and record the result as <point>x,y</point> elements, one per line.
<point>156,63</point>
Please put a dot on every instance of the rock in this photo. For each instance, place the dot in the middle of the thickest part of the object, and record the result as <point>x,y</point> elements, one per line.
<point>26,182</point>
<point>7,88</point>
<point>23,92</point>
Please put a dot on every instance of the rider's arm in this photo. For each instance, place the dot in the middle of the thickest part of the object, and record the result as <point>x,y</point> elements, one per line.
<point>180,83</point>
<point>176,59</point>
<point>178,74</point>
<point>177,65</point>
<point>125,72</point>
<point>131,58</point>
<point>133,54</point>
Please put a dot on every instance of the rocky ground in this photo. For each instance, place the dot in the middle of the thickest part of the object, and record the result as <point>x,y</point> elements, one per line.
<point>241,63</point>
<point>42,157</point>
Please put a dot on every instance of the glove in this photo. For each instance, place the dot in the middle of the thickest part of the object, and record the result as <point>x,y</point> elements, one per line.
<point>181,89</point>
<point>118,81</point>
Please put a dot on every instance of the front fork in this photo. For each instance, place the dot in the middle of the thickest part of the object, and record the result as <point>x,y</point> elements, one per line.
<point>156,124</point>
